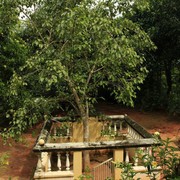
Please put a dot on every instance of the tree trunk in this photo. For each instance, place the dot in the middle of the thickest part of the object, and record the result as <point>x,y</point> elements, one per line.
<point>84,113</point>
<point>169,81</point>
<point>168,67</point>
<point>85,119</point>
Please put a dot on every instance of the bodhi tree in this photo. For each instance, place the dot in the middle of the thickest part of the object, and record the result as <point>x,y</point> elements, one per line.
<point>74,49</point>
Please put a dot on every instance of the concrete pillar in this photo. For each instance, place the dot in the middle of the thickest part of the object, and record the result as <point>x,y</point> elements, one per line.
<point>77,164</point>
<point>118,157</point>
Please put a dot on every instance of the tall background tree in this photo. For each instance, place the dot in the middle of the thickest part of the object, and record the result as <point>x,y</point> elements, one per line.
<point>12,51</point>
<point>161,88</point>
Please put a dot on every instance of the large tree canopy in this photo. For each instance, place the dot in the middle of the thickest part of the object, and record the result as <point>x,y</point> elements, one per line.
<point>73,50</point>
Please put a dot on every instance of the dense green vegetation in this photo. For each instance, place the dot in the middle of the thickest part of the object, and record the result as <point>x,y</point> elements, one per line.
<point>13,51</point>
<point>61,54</point>
<point>164,156</point>
<point>161,89</point>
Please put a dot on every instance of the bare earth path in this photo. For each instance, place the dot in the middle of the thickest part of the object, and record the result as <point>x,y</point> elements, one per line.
<point>22,161</point>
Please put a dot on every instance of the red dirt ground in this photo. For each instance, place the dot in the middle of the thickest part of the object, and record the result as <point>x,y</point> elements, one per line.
<point>22,161</point>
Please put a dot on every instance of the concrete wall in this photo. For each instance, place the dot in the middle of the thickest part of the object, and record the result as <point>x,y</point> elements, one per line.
<point>95,128</point>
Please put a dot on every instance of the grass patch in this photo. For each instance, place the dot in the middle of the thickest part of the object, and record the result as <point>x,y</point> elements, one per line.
<point>4,159</point>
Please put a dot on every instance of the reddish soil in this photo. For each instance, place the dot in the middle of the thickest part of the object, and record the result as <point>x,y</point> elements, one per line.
<point>22,161</point>
<point>168,126</point>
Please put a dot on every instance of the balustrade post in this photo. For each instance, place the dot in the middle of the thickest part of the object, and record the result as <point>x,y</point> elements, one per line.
<point>145,152</point>
<point>127,157</point>
<point>132,133</point>
<point>103,127</point>
<point>59,161</point>
<point>136,159</point>
<point>128,129</point>
<point>55,131</point>
<point>120,126</point>
<point>137,136</point>
<point>150,151</point>
<point>109,127</point>
<point>67,162</point>
<point>49,161</point>
<point>115,128</point>
<point>68,131</point>
<point>39,164</point>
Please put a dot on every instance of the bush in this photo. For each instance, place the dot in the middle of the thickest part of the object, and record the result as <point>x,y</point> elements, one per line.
<point>163,156</point>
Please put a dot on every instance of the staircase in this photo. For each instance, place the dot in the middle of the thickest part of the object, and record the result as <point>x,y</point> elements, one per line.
<point>103,170</point>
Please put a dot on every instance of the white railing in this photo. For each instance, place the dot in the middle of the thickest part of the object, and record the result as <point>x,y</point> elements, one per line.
<point>104,170</point>
<point>136,159</point>
<point>57,166</point>
<point>62,131</point>
<point>112,127</point>
<point>138,166</point>
<point>117,128</point>
<point>133,133</point>
<point>45,162</point>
